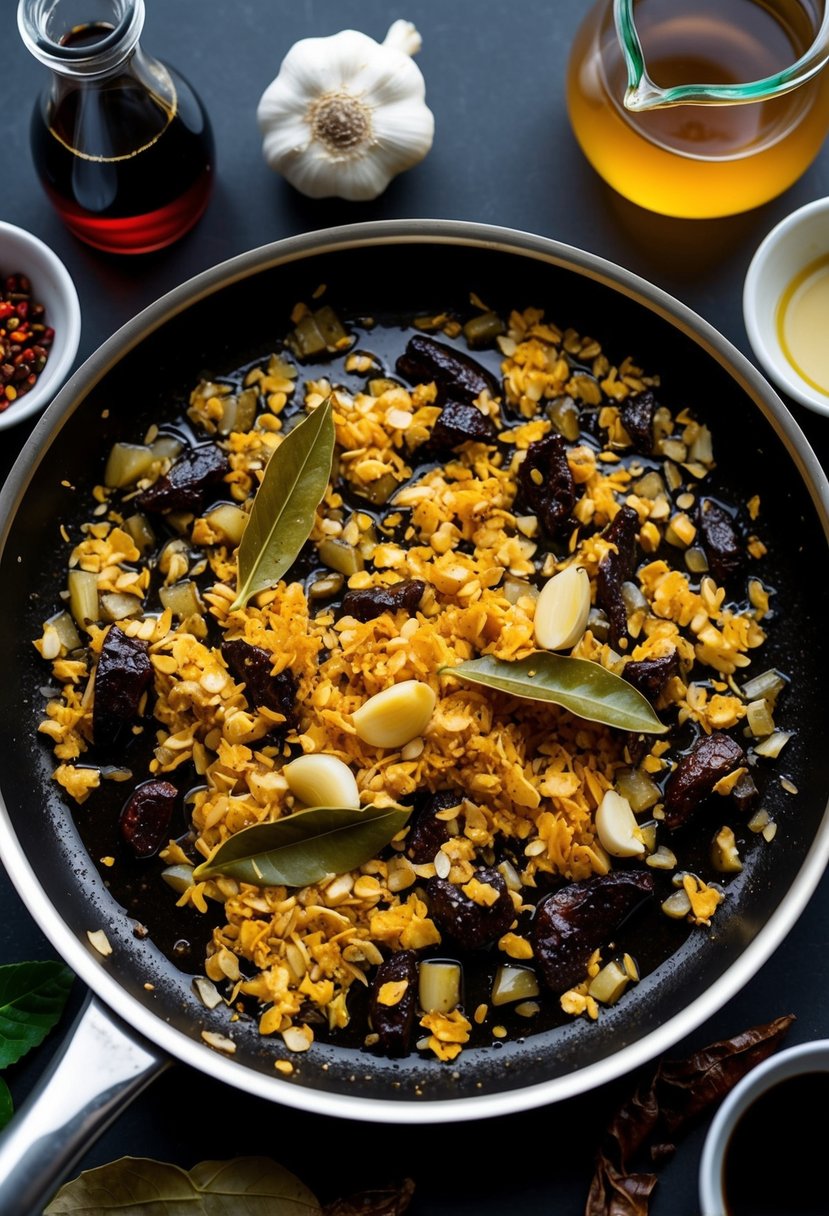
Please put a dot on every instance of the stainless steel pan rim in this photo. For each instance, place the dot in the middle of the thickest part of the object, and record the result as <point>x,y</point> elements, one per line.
<point>93,971</point>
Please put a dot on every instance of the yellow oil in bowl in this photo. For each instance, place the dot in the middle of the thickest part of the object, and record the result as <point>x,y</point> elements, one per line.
<point>803,324</point>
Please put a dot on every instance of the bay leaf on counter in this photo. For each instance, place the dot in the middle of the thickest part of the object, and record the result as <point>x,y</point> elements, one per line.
<point>246,1186</point>
<point>578,685</point>
<point>305,847</point>
<point>32,997</point>
<point>285,504</point>
<point>6,1104</point>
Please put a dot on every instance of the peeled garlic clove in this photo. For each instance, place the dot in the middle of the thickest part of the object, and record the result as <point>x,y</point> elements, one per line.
<point>562,609</point>
<point>396,715</point>
<point>617,827</point>
<point>319,780</point>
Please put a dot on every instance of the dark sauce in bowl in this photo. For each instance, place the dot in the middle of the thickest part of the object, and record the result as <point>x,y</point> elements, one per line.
<point>774,1160</point>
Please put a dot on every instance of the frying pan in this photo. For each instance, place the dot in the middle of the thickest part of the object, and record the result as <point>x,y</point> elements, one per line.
<point>143,1012</point>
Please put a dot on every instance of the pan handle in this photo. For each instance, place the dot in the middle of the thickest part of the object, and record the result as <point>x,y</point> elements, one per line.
<point>102,1065</point>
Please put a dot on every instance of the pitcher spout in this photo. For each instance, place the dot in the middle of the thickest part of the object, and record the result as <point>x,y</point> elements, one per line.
<point>642,94</point>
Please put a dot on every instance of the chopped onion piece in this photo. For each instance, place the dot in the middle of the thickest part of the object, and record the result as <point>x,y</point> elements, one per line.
<point>513,984</point>
<point>773,745</point>
<point>439,986</point>
<point>609,984</point>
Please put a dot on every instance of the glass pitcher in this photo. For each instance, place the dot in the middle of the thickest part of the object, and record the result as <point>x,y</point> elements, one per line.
<point>700,150</point>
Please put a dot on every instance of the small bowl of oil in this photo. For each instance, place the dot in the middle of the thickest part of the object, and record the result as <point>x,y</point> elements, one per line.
<point>786,305</point>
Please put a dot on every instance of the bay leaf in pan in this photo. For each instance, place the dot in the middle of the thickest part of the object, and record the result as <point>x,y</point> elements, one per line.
<point>303,848</point>
<point>579,685</point>
<point>283,510</point>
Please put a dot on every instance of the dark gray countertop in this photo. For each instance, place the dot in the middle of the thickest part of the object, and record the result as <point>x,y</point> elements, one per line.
<point>503,154</point>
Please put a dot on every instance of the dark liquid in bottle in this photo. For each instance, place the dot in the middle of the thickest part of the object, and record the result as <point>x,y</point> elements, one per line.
<point>774,1162</point>
<point>127,170</point>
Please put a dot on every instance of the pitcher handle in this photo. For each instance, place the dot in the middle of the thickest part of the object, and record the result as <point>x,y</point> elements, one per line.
<point>102,1065</point>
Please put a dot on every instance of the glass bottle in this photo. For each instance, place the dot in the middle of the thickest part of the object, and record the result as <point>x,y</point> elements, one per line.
<point>120,141</point>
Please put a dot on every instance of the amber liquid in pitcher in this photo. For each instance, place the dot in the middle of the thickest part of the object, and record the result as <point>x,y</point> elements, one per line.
<point>698,160</point>
<point>122,191</point>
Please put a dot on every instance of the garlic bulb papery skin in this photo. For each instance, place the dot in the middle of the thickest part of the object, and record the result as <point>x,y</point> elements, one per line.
<point>346,114</point>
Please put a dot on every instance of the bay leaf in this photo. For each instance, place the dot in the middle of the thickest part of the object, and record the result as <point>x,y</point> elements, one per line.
<point>32,997</point>
<point>252,1185</point>
<point>246,1186</point>
<point>579,685</point>
<point>304,847</point>
<point>283,510</point>
<point>6,1104</point>
<point>135,1184</point>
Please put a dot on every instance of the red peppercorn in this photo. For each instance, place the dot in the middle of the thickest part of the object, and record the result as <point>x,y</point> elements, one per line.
<point>24,339</point>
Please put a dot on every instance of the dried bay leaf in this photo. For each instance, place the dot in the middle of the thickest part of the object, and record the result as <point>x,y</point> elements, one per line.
<point>246,1186</point>
<point>32,997</point>
<point>283,510</point>
<point>135,1184</point>
<point>256,1184</point>
<point>578,685</point>
<point>305,847</point>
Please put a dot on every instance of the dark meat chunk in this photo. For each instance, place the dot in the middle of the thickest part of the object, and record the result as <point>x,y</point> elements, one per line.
<point>145,820</point>
<point>692,781</point>
<point>393,1023</point>
<point>719,540</point>
<point>251,666</point>
<point>637,419</point>
<point>428,833</point>
<point>636,747</point>
<point>574,921</point>
<point>649,676</point>
<point>547,484</point>
<point>456,424</point>
<point>471,925</point>
<point>123,674</point>
<point>617,568</point>
<point>371,602</point>
<point>456,375</point>
<point>185,487</point>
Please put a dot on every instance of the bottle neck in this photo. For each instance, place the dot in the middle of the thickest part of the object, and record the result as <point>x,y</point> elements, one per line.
<point>81,39</point>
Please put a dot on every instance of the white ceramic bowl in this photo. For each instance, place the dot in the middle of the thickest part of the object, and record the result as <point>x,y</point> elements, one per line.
<point>52,286</point>
<point>792,1062</point>
<point>797,241</point>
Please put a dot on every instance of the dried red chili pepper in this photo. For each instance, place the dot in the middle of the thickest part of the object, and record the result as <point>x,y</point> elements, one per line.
<point>389,1201</point>
<point>650,1121</point>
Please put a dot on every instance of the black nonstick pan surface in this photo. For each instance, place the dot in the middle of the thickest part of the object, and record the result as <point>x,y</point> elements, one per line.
<point>230,316</point>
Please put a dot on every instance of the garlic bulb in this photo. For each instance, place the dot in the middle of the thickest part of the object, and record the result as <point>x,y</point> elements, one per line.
<point>346,113</point>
